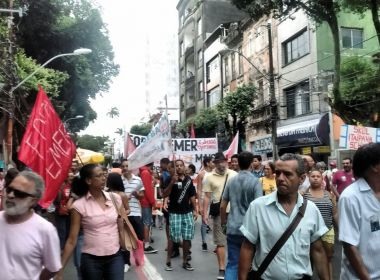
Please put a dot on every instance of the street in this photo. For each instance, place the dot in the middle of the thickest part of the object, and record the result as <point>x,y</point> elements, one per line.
<point>204,263</point>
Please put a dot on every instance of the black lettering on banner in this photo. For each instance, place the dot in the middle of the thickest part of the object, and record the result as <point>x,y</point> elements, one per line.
<point>178,145</point>
<point>194,144</point>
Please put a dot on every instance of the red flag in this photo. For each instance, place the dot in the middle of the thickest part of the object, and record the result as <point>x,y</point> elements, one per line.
<point>233,148</point>
<point>46,147</point>
<point>192,131</point>
<point>129,146</point>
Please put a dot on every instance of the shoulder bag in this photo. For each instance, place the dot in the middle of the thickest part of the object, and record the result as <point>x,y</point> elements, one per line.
<point>255,275</point>
<point>215,207</point>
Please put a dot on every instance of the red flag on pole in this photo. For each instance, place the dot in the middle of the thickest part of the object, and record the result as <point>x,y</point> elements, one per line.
<point>129,146</point>
<point>192,131</point>
<point>46,147</point>
<point>233,148</point>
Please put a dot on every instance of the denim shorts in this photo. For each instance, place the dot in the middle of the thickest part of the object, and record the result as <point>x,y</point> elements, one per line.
<point>146,215</point>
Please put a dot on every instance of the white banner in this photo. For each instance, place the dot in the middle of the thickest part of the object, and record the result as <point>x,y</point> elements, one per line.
<point>157,145</point>
<point>352,137</point>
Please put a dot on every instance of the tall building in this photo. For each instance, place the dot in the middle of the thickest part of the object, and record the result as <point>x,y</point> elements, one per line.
<point>197,20</point>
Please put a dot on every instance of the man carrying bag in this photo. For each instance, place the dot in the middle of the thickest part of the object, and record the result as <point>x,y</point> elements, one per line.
<point>267,219</point>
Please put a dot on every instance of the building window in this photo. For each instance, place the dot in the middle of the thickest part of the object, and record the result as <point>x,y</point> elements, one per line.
<point>296,47</point>
<point>233,65</point>
<point>182,102</point>
<point>200,59</point>
<point>199,26</point>
<point>352,38</point>
<point>240,61</point>
<point>260,92</point>
<point>200,90</point>
<point>213,97</point>
<point>227,77</point>
<point>181,49</point>
<point>298,99</point>
<point>212,72</point>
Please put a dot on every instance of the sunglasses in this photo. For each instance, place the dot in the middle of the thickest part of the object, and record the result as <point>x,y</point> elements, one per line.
<point>18,193</point>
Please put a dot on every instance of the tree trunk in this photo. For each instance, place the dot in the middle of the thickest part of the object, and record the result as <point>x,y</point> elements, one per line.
<point>375,17</point>
<point>334,27</point>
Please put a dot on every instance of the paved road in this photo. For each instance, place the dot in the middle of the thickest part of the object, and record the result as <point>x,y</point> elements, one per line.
<point>204,263</point>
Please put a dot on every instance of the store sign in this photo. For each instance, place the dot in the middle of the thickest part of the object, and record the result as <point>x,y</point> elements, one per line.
<point>352,137</point>
<point>261,146</point>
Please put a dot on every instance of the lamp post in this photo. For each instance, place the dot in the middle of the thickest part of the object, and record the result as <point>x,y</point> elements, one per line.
<point>270,79</point>
<point>9,139</point>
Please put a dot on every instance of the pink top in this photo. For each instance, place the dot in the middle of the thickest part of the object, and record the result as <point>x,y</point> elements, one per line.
<point>101,236</point>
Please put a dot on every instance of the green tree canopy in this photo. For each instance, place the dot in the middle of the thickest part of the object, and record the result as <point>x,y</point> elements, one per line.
<point>113,112</point>
<point>93,143</point>
<point>141,129</point>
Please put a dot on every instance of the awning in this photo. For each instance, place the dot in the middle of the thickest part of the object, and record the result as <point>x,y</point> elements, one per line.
<point>311,132</point>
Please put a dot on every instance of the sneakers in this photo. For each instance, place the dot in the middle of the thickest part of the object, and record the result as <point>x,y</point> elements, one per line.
<point>168,266</point>
<point>188,267</point>
<point>204,247</point>
<point>220,275</point>
<point>150,250</point>
<point>126,268</point>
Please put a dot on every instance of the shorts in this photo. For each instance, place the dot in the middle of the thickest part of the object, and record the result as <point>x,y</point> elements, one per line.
<point>146,215</point>
<point>220,239</point>
<point>329,237</point>
<point>181,227</point>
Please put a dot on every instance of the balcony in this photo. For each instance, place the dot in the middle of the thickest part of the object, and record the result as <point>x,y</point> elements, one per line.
<point>189,50</point>
<point>233,35</point>
<point>190,82</point>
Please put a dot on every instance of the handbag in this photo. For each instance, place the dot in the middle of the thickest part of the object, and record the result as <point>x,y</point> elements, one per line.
<point>215,207</point>
<point>255,275</point>
<point>127,235</point>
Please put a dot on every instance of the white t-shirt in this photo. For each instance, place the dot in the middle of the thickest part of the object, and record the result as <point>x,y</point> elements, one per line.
<point>134,184</point>
<point>28,247</point>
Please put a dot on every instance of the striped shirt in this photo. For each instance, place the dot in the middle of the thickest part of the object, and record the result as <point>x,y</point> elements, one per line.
<point>131,185</point>
<point>325,206</point>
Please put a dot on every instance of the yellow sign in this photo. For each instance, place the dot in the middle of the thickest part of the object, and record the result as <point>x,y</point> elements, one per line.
<point>321,150</point>
<point>306,150</point>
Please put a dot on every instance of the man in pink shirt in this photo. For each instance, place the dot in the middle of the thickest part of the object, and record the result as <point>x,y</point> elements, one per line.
<point>29,245</point>
<point>343,178</point>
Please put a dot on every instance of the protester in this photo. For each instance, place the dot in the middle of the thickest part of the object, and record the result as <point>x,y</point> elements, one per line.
<point>326,204</point>
<point>359,215</point>
<point>269,180</point>
<point>147,203</point>
<point>182,212</point>
<point>208,166</point>
<point>269,216</point>
<point>95,212</point>
<point>29,245</point>
<point>235,162</point>
<point>213,187</point>
<point>240,191</point>
<point>309,164</point>
<point>257,168</point>
<point>343,178</point>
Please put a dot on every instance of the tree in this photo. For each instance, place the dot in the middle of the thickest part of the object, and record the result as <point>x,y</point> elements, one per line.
<point>360,90</point>
<point>113,112</point>
<point>141,129</point>
<point>361,6</point>
<point>119,131</point>
<point>238,105</point>
<point>93,143</point>
<point>319,11</point>
<point>205,123</point>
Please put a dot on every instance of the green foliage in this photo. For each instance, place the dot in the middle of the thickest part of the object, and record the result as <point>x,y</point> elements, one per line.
<point>207,119</point>
<point>119,131</point>
<point>360,91</point>
<point>113,113</point>
<point>141,129</point>
<point>93,143</point>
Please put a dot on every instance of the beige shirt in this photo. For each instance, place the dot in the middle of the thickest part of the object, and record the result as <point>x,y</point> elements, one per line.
<point>213,183</point>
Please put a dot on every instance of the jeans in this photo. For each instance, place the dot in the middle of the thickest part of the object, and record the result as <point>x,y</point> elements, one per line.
<point>102,267</point>
<point>77,254</point>
<point>203,232</point>
<point>233,244</point>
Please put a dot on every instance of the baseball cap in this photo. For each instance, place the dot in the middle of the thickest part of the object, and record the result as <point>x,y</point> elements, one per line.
<point>219,157</point>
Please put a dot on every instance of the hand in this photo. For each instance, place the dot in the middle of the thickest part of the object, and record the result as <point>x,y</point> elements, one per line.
<point>200,211</point>
<point>195,215</point>
<point>205,219</point>
<point>224,229</point>
<point>59,275</point>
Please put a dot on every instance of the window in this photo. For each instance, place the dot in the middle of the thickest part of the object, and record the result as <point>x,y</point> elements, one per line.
<point>200,59</point>
<point>212,72</point>
<point>296,47</point>
<point>352,38</point>
<point>199,25</point>
<point>298,99</point>
<point>181,49</point>
<point>227,77</point>
<point>182,102</point>
<point>213,97</point>
<point>240,61</point>
<point>200,90</point>
<point>233,65</point>
<point>260,92</point>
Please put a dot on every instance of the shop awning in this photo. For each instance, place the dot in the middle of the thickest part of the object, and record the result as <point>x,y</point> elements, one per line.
<point>310,132</point>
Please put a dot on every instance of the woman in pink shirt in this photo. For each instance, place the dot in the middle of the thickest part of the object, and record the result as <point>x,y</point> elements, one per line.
<point>94,211</point>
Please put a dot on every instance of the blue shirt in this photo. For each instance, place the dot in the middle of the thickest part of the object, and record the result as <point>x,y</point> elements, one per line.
<point>265,222</point>
<point>240,191</point>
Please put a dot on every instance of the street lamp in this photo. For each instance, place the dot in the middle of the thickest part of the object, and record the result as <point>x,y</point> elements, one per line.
<point>270,78</point>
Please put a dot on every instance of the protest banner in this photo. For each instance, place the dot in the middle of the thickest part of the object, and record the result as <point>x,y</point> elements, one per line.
<point>352,137</point>
<point>46,147</point>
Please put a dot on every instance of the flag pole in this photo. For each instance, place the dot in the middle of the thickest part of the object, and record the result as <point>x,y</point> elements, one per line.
<point>171,141</point>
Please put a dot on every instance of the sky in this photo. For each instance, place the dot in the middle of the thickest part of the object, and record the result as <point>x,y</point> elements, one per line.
<point>143,35</point>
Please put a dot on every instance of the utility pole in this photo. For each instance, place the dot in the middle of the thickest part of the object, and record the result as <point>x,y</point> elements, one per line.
<point>273,102</point>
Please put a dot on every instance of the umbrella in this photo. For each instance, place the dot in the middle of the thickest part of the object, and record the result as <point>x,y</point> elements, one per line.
<point>87,156</point>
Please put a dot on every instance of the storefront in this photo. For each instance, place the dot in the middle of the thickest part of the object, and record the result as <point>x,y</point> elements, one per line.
<point>306,137</point>
<point>262,146</point>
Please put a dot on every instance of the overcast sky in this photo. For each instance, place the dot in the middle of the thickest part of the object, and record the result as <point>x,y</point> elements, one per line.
<point>137,28</point>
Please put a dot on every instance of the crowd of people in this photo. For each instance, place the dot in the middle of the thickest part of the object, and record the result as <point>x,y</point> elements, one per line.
<point>269,220</point>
